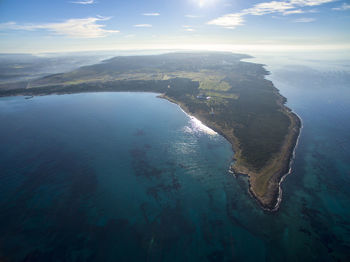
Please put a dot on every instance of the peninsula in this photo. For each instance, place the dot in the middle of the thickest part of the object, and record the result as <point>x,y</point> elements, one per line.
<point>227,94</point>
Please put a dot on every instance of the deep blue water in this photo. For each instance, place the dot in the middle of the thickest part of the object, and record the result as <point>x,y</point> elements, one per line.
<point>130,177</point>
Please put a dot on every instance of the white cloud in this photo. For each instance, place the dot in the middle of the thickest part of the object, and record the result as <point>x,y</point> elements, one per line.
<point>143,25</point>
<point>310,2</point>
<point>280,7</point>
<point>230,21</point>
<point>292,12</point>
<point>15,26</point>
<point>151,14</point>
<point>75,28</point>
<point>343,7</point>
<point>304,20</point>
<point>299,11</point>
<point>192,16</point>
<point>188,28</point>
<point>86,2</point>
<point>268,8</point>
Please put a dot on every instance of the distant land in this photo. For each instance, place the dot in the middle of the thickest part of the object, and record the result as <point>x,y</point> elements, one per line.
<point>25,67</point>
<point>228,95</point>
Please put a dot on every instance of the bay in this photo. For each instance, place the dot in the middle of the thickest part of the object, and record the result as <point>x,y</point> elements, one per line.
<point>131,177</point>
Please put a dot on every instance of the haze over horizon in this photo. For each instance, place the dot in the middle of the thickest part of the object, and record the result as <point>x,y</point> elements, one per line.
<point>86,25</point>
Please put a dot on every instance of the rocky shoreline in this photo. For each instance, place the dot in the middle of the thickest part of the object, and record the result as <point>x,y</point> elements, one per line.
<point>282,176</point>
<point>275,194</point>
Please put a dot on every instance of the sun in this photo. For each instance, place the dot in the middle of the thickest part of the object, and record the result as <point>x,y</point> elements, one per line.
<point>204,3</point>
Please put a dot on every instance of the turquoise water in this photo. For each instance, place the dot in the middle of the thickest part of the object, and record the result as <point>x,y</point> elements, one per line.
<point>130,177</point>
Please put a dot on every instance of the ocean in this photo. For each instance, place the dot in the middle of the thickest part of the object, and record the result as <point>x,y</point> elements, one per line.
<point>131,177</point>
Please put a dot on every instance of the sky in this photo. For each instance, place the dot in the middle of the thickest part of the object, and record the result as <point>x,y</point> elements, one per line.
<point>37,26</point>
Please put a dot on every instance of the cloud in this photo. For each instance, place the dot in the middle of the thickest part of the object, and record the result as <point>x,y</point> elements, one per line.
<point>188,28</point>
<point>299,11</point>
<point>192,16</point>
<point>75,28</point>
<point>230,21</point>
<point>143,25</point>
<point>343,7</point>
<point>151,14</point>
<point>268,8</point>
<point>292,12</point>
<point>86,2</point>
<point>304,20</point>
<point>15,26</point>
<point>280,7</point>
<point>310,2</point>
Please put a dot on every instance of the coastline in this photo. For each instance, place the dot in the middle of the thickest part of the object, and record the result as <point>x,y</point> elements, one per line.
<point>263,132</point>
<point>275,192</point>
<point>281,167</point>
<point>292,153</point>
<point>279,195</point>
<point>280,191</point>
<point>275,197</point>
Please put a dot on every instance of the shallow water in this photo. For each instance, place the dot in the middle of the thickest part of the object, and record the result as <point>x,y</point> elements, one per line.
<point>130,177</point>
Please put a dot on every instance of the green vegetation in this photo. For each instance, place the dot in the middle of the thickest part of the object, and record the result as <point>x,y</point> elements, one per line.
<point>243,106</point>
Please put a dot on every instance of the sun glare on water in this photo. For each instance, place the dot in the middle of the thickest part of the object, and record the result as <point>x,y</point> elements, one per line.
<point>196,126</point>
